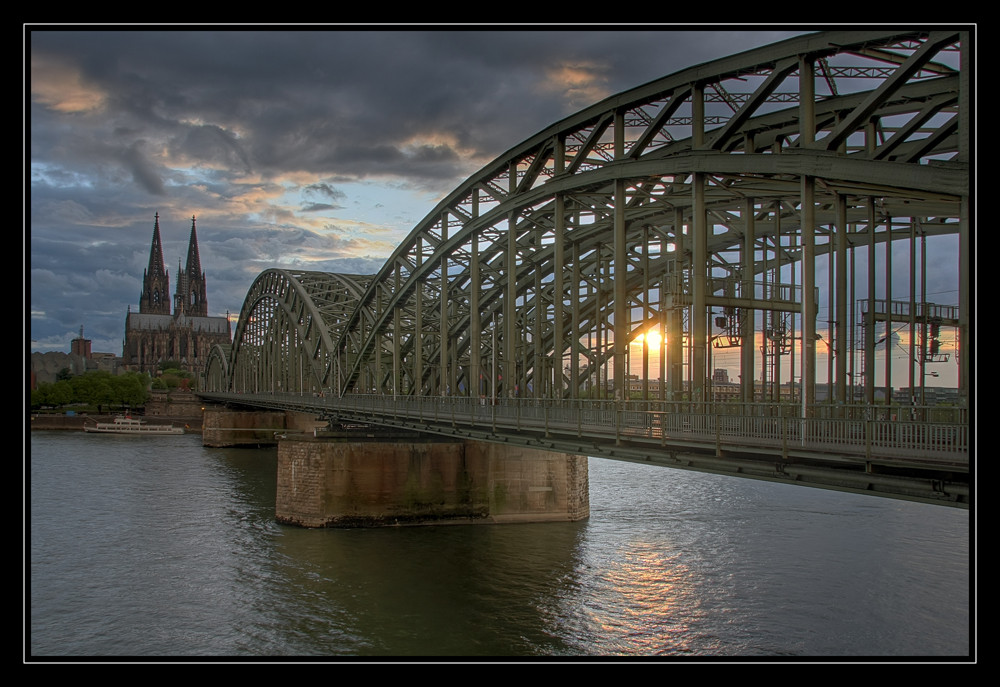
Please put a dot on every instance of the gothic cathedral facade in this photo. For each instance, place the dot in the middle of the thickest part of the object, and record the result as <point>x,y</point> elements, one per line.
<point>154,335</point>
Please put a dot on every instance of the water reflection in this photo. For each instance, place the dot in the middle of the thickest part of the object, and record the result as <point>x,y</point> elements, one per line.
<point>431,591</point>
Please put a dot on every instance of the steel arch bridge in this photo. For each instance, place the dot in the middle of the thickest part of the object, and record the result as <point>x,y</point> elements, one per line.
<point>724,205</point>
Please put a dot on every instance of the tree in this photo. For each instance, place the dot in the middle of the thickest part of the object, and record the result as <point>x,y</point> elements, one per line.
<point>61,393</point>
<point>95,387</point>
<point>131,389</point>
<point>92,387</point>
<point>102,394</point>
<point>175,378</point>
<point>40,395</point>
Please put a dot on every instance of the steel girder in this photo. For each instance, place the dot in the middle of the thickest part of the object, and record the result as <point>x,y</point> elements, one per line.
<point>693,192</point>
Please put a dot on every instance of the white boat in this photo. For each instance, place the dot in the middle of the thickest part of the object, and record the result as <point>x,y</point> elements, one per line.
<point>130,425</point>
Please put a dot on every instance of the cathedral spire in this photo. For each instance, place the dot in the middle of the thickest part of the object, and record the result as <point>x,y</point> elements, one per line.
<point>156,250</point>
<point>155,296</point>
<point>194,291</point>
<point>194,259</point>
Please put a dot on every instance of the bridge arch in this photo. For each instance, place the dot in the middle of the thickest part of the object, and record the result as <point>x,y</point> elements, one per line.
<point>217,368</point>
<point>723,204</point>
<point>288,329</point>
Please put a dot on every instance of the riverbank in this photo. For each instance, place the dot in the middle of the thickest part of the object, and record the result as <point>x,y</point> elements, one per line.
<point>177,407</point>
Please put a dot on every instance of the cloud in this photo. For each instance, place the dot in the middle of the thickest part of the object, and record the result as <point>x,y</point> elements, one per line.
<point>60,87</point>
<point>143,172</point>
<point>325,190</point>
<point>580,84</point>
<point>212,145</point>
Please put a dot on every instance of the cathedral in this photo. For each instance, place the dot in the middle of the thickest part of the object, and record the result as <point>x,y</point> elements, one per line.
<point>154,335</point>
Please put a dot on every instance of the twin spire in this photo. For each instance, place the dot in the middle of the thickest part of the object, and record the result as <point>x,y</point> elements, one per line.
<point>191,298</point>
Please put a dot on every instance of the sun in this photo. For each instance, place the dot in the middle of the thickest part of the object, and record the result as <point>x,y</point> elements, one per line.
<point>651,338</point>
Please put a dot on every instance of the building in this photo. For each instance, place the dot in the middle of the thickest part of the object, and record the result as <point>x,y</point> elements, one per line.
<point>928,395</point>
<point>154,334</point>
<point>80,346</point>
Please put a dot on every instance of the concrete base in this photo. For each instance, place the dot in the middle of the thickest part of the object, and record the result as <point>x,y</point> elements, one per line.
<point>373,483</point>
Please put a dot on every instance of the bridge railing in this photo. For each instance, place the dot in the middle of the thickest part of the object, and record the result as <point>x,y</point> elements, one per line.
<point>858,431</point>
<point>885,438</point>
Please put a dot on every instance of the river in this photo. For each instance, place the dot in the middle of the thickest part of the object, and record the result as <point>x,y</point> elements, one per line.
<point>162,549</point>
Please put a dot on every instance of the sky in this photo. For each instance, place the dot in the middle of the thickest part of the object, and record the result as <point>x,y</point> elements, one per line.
<point>311,149</point>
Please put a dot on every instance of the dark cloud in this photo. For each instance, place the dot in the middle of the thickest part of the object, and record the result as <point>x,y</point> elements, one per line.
<point>212,144</point>
<point>141,168</point>
<point>325,190</point>
<point>319,207</point>
<point>326,101</point>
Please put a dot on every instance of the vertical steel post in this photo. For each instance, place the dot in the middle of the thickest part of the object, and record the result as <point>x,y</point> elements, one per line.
<point>808,232</point>
<point>749,314</point>
<point>475,375</point>
<point>699,284</point>
<point>620,277</point>
<point>841,333</point>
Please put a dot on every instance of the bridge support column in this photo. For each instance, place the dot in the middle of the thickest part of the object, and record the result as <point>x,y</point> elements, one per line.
<point>375,483</point>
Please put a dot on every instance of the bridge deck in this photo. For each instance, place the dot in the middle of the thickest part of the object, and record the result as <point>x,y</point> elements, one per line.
<point>904,458</point>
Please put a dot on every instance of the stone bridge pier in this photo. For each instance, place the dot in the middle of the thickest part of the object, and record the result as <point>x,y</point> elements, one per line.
<point>375,478</point>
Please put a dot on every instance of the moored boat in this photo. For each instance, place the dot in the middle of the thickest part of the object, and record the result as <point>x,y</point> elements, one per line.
<point>129,425</point>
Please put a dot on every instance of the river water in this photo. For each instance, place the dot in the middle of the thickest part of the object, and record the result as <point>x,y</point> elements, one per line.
<point>162,549</point>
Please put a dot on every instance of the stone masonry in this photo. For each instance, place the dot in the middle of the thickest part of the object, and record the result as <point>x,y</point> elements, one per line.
<point>350,483</point>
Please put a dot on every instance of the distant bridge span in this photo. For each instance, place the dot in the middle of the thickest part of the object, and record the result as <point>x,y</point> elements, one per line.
<point>744,204</point>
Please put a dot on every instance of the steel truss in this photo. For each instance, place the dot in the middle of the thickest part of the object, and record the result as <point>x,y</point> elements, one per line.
<point>703,206</point>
